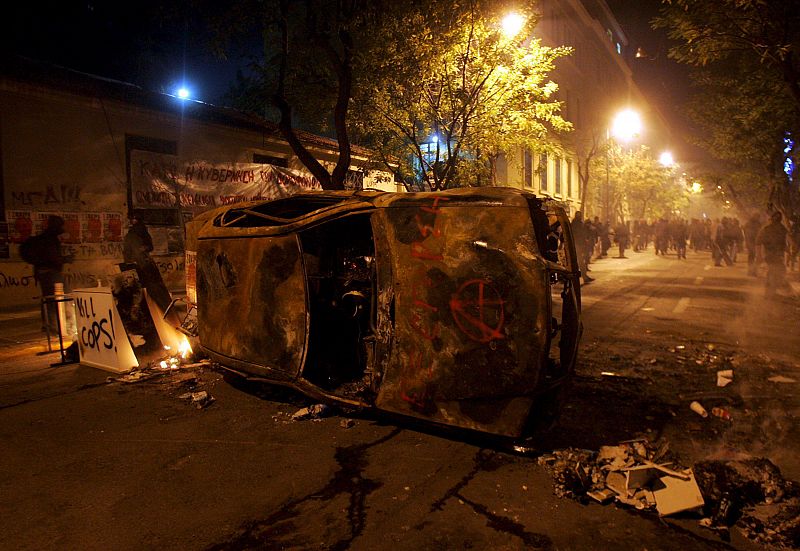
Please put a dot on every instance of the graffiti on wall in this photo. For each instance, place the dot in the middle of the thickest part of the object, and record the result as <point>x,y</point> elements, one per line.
<point>52,196</point>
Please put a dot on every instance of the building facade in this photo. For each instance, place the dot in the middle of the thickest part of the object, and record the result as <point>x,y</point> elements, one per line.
<point>93,150</point>
<point>594,83</point>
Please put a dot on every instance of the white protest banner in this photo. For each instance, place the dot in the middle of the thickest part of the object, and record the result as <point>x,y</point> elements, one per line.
<point>102,340</point>
<point>166,181</point>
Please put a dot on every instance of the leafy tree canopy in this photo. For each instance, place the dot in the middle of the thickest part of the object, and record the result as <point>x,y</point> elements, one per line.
<point>747,98</point>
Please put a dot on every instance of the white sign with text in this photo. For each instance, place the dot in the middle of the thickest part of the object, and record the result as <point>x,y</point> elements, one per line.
<point>102,339</point>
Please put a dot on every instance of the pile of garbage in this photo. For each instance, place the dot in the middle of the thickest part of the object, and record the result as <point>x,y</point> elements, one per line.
<point>752,495</point>
<point>633,473</point>
<point>746,493</point>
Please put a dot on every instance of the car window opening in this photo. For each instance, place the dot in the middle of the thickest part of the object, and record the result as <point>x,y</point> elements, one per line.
<point>339,259</point>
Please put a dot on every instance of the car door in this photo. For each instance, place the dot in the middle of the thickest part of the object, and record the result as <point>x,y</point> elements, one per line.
<point>251,292</point>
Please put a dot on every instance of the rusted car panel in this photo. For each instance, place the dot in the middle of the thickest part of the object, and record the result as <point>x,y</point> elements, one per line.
<point>255,296</point>
<point>433,306</point>
<point>470,312</point>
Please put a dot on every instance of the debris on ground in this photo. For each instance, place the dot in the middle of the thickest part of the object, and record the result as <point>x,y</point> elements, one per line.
<point>724,377</point>
<point>781,379</point>
<point>698,408</point>
<point>631,473</point>
<point>317,411</point>
<point>133,377</point>
<point>751,495</point>
<point>722,413</point>
<point>201,400</point>
<point>347,423</point>
<point>746,493</point>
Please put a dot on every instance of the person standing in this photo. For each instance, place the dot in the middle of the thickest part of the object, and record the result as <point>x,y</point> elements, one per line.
<point>136,249</point>
<point>580,233</point>
<point>772,240</point>
<point>43,251</point>
<point>622,235</point>
<point>751,229</point>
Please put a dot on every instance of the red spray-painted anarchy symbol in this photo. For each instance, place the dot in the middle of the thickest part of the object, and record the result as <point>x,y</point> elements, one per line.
<point>477,309</point>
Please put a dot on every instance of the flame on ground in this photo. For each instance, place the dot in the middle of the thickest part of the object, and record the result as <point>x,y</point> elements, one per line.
<point>171,338</point>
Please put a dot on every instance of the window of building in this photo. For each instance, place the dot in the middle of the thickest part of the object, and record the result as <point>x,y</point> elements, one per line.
<point>528,168</point>
<point>543,172</point>
<point>569,177</point>
<point>270,160</point>
<point>557,175</point>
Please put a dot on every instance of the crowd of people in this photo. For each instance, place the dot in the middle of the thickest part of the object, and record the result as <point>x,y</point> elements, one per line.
<point>771,240</point>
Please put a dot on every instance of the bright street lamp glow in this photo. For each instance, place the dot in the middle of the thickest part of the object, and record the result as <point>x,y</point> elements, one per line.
<point>627,125</point>
<point>666,159</point>
<point>183,93</point>
<point>697,187</point>
<point>512,24</point>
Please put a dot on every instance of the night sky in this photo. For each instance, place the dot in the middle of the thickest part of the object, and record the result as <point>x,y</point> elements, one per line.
<point>664,82</point>
<point>142,43</point>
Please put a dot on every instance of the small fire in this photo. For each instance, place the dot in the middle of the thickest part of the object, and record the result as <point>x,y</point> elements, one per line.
<point>184,348</point>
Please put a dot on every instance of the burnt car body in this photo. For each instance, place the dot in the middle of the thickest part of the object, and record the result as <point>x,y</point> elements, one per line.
<point>460,308</point>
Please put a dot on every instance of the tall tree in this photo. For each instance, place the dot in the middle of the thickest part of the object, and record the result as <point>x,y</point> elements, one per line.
<point>748,100</point>
<point>457,90</point>
<point>639,186</point>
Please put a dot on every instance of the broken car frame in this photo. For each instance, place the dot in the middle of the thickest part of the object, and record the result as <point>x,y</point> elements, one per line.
<point>459,308</point>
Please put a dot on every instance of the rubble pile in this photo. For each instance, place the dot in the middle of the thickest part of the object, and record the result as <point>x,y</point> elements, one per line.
<point>751,495</point>
<point>632,473</point>
<point>748,494</point>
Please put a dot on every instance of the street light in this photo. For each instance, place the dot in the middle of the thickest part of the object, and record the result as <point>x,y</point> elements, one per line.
<point>666,159</point>
<point>626,126</point>
<point>512,24</point>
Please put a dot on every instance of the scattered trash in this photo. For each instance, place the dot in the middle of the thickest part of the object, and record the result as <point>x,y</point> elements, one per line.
<point>751,495</point>
<point>674,495</point>
<point>347,423</point>
<point>680,347</point>
<point>698,408</point>
<point>609,374</point>
<point>133,377</point>
<point>316,411</point>
<point>721,413</point>
<point>724,377</point>
<point>200,399</point>
<point>781,379</point>
<point>628,473</point>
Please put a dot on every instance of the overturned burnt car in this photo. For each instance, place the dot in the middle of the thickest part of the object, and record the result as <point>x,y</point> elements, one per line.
<point>460,308</point>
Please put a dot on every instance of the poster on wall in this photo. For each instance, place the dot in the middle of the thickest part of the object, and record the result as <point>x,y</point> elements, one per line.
<point>72,228</point>
<point>20,225</point>
<point>112,226</point>
<point>91,227</point>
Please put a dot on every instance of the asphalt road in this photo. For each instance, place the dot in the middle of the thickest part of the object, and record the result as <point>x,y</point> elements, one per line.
<point>88,463</point>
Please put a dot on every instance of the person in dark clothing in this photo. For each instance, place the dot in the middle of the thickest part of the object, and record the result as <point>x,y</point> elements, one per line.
<point>751,229</point>
<point>136,249</point>
<point>582,234</point>
<point>48,263</point>
<point>772,238</point>
<point>621,236</point>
